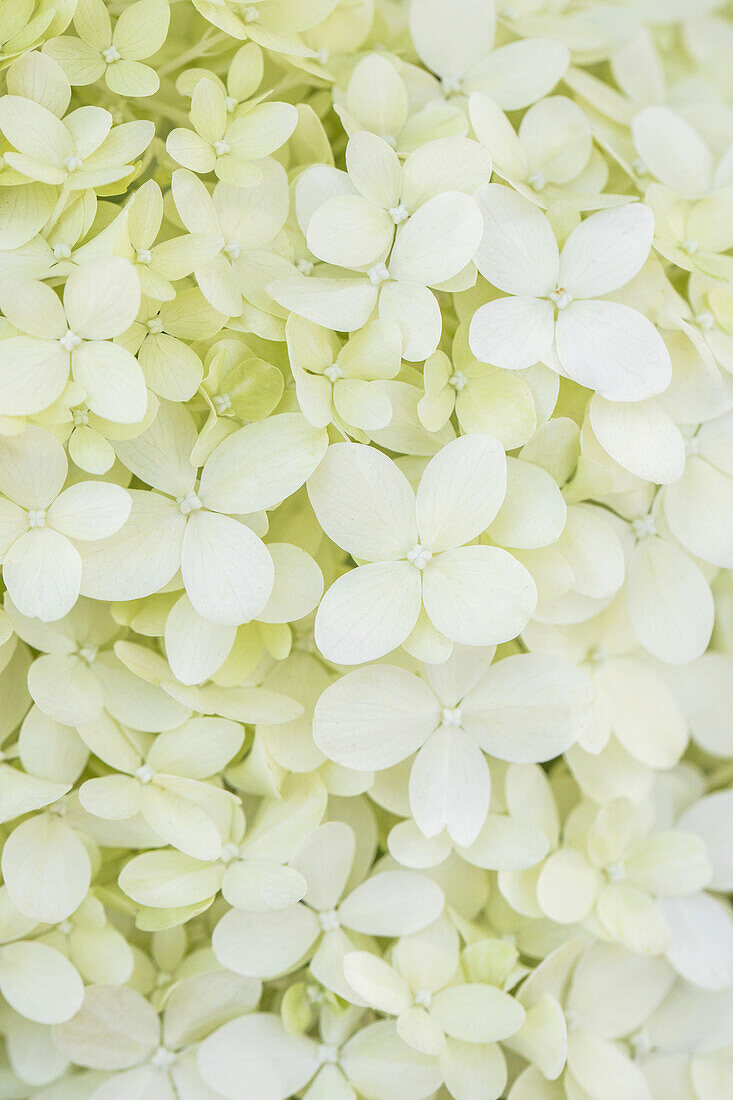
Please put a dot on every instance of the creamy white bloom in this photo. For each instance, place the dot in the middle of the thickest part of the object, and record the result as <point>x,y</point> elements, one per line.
<point>554,314</point>
<point>415,547</point>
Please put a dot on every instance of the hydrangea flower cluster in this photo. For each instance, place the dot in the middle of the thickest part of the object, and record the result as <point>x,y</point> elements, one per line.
<point>366,535</point>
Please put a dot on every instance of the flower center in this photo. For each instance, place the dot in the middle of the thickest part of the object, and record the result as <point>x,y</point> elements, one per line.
<point>233,249</point>
<point>692,446</point>
<point>705,320</point>
<point>305,267</point>
<point>322,57</point>
<point>328,1054</point>
<point>641,1044</point>
<point>328,920</point>
<point>597,655</point>
<point>143,255</point>
<point>251,15</point>
<point>72,164</point>
<point>221,148</point>
<point>423,997</point>
<point>419,556</point>
<point>65,928</point>
<point>111,54</point>
<point>560,297</point>
<point>37,517</point>
<point>231,103</point>
<point>451,85</point>
<point>70,340</point>
<point>145,774</point>
<point>378,274</point>
<point>154,326</point>
<point>333,373</point>
<point>644,526</point>
<point>222,402</point>
<point>81,417</point>
<point>61,251</point>
<point>390,139</point>
<point>398,214</point>
<point>229,852</point>
<point>616,872</point>
<point>690,246</point>
<point>162,1057</point>
<point>457,380</point>
<point>88,653</point>
<point>451,716</point>
<point>536,181</point>
<point>572,1019</point>
<point>639,167</point>
<point>189,503</point>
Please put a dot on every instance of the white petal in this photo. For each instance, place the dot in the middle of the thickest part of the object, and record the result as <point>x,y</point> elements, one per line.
<point>343,304</point>
<point>160,456</point>
<point>102,298</point>
<point>260,465</point>
<point>451,36</point>
<point>641,437</point>
<point>478,595</point>
<point>701,949</point>
<point>528,708</point>
<point>374,717</point>
<point>46,869</point>
<point>364,502</point>
<point>368,612</point>
<point>263,945</point>
<point>380,1065</point>
<point>450,786</point>
<point>520,73</point>
<point>438,240</point>
<point>195,647</point>
<point>460,491</point>
<point>377,982</point>
<point>33,374</point>
<point>415,310</point>
<point>350,231</point>
<point>476,1013</point>
<point>254,1058</point>
<point>226,568</point>
<point>711,819</point>
<point>673,151</point>
<point>33,467</point>
<point>142,557</point>
<point>612,349</point>
<point>42,571</point>
<point>605,1071</point>
<point>393,903</point>
<point>115,1029</point>
<point>533,512</point>
<point>669,601</point>
<point>65,688</point>
<point>698,511</point>
<point>113,381</point>
<point>474,1071</point>
<point>513,333</point>
<point>518,252</point>
<point>606,250</point>
<point>90,510</point>
<point>39,982</point>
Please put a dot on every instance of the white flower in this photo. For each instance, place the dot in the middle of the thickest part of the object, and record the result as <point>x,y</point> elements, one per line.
<point>41,565</point>
<point>525,708</point>
<point>101,300</point>
<point>226,569</point>
<point>390,903</point>
<point>475,595</point>
<point>455,38</point>
<point>399,230</point>
<point>552,316</point>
